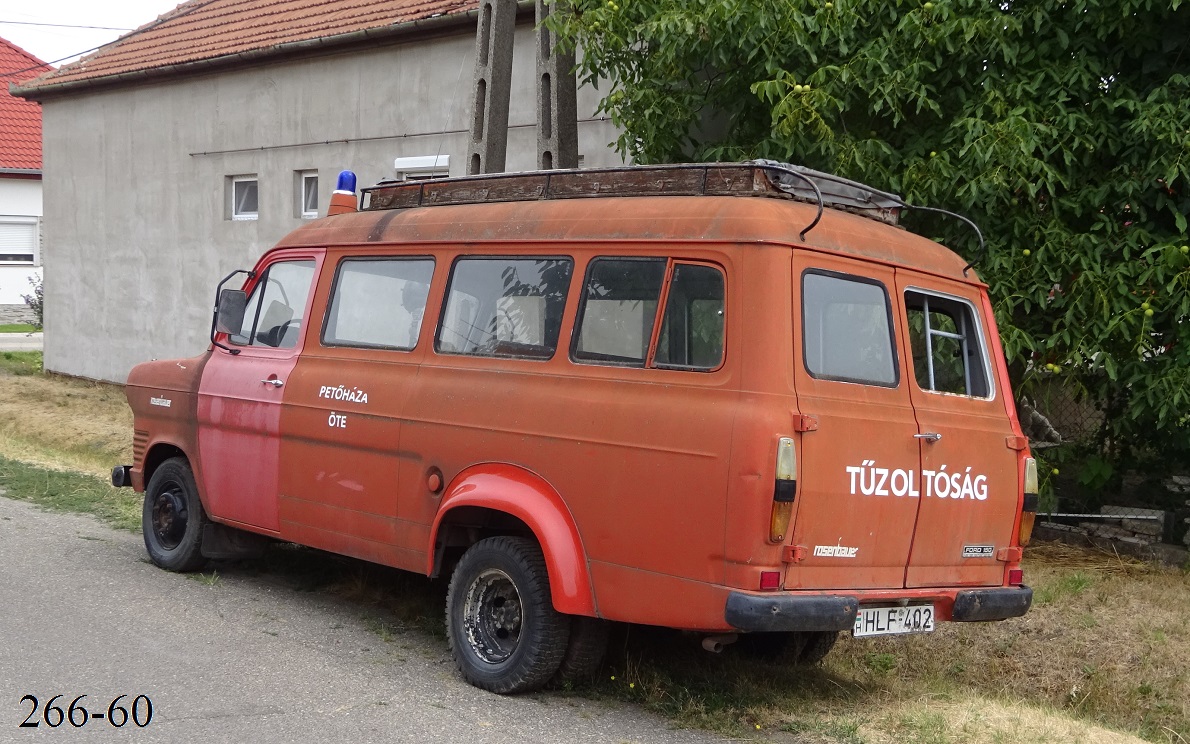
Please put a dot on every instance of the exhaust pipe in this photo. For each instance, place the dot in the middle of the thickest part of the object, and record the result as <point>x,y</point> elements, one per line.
<point>716,643</point>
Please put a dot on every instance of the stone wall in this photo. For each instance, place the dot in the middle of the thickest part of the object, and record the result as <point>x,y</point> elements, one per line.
<point>16,314</point>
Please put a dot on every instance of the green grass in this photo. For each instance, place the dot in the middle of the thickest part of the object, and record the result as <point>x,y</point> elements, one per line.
<point>71,492</point>
<point>18,328</point>
<point>21,362</point>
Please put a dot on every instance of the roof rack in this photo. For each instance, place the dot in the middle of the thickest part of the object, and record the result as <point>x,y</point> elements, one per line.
<point>753,178</point>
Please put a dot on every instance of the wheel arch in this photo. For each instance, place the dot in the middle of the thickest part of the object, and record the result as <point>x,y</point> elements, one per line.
<point>498,498</point>
<point>158,453</point>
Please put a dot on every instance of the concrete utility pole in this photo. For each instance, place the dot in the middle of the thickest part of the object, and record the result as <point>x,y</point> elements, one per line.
<point>493,86</point>
<point>557,107</point>
<point>557,100</point>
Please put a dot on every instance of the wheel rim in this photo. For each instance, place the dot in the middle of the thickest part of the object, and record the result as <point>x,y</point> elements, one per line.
<point>492,616</point>
<point>169,515</point>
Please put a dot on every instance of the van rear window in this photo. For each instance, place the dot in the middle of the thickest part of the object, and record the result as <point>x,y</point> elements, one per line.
<point>848,332</point>
<point>378,303</point>
<point>505,307</point>
<point>948,356</point>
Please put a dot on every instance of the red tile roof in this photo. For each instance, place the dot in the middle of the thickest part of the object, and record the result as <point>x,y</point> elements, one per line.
<point>203,30</point>
<point>20,120</point>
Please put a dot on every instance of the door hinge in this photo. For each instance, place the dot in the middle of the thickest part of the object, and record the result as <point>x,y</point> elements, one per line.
<point>1017,443</point>
<point>1009,555</point>
<point>803,422</point>
<point>793,554</point>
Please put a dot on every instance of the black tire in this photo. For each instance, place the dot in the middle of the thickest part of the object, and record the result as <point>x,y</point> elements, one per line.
<point>584,651</point>
<point>172,519</point>
<point>816,646</point>
<point>768,647</point>
<point>504,632</point>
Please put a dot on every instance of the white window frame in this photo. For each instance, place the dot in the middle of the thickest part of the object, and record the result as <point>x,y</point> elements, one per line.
<point>232,210</point>
<point>422,167</point>
<point>35,253</point>
<point>302,179</point>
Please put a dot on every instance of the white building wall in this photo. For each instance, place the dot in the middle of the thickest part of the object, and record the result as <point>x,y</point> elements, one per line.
<point>136,229</point>
<point>20,198</point>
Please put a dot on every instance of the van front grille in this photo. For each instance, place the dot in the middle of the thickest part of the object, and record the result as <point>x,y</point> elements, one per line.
<point>140,440</point>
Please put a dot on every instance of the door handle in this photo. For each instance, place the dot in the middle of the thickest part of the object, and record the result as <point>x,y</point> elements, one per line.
<point>273,381</point>
<point>928,436</point>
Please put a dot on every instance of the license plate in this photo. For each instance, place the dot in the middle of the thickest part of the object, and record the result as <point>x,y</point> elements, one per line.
<point>874,621</point>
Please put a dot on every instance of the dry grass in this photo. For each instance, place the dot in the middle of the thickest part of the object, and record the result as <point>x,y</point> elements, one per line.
<point>1104,656</point>
<point>62,423</point>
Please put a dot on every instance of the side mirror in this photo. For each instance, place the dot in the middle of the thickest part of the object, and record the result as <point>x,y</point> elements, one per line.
<point>229,312</point>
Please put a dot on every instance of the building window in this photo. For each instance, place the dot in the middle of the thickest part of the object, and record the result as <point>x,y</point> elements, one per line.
<point>18,240</point>
<point>422,168</point>
<point>306,194</point>
<point>242,197</point>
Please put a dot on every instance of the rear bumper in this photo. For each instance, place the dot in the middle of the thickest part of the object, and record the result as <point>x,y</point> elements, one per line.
<point>982,605</point>
<point>790,612</point>
<point>786,613</point>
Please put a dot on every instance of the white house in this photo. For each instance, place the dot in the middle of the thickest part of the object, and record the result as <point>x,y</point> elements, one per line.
<point>20,184</point>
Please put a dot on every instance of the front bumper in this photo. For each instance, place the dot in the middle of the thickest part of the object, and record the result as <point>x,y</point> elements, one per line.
<point>789,613</point>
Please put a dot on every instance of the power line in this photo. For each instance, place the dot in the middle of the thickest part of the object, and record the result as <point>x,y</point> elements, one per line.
<point>141,30</point>
<point>63,25</point>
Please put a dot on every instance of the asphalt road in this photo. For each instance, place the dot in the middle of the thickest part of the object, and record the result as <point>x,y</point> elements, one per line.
<point>20,341</point>
<point>244,660</point>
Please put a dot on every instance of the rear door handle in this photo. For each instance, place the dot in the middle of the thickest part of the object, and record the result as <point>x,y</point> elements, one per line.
<point>928,436</point>
<point>273,381</point>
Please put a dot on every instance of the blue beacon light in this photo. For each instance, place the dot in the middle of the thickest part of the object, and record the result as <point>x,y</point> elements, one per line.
<point>346,183</point>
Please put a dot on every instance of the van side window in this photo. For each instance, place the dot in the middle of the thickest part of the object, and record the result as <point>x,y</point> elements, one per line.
<point>692,327</point>
<point>619,309</point>
<point>277,306</point>
<point>378,303</point>
<point>848,333</point>
<point>948,356</point>
<point>505,307</point>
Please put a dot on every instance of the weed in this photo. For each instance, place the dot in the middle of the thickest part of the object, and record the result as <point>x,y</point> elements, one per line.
<point>206,579</point>
<point>881,663</point>
<point>21,362</point>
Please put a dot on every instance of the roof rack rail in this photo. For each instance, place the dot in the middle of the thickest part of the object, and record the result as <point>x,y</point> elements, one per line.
<point>751,178</point>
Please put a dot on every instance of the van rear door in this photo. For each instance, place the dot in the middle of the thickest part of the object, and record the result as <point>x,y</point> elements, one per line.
<point>858,481</point>
<point>969,495</point>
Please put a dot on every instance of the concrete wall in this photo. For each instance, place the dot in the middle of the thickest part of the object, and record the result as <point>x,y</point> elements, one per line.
<point>19,197</point>
<point>136,226</point>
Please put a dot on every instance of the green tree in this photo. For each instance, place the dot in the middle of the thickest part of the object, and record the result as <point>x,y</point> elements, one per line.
<point>1061,128</point>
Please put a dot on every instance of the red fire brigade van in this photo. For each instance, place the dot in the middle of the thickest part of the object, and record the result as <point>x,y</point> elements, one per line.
<point>731,399</point>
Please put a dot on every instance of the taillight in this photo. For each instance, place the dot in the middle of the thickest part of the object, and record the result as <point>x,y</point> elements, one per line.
<point>1029,508</point>
<point>784,490</point>
<point>1016,577</point>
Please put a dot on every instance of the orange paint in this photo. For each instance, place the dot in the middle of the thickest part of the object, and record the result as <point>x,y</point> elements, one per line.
<point>648,484</point>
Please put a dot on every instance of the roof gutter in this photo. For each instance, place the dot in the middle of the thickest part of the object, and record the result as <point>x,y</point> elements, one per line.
<point>421,26</point>
<point>20,172</point>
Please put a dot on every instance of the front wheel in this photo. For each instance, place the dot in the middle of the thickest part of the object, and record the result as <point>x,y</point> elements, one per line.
<point>504,632</point>
<point>172,519</point>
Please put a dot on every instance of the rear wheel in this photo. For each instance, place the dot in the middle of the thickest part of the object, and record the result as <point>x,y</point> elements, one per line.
<point>803,648</point>
<point>584,651</point>
<point>816,646</point>
<point>504,632</point>
<point>172,518</point>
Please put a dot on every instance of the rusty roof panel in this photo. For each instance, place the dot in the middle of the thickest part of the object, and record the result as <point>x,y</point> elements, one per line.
<point>203,30</point>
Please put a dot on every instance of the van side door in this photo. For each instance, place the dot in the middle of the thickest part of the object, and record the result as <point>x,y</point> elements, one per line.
<point>969,495</point>
<point>858,480</point>
<point>342,416</point>
<point>239,397</point>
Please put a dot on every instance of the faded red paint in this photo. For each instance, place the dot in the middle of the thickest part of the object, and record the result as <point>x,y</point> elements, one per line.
<point>650,490</point>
